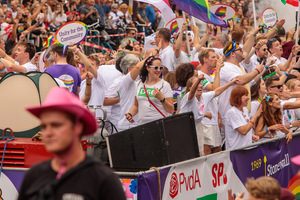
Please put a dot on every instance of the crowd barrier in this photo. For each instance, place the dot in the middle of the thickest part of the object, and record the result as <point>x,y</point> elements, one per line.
<point>94,46</point>
<point>206,178</point>
<point>113,35</point>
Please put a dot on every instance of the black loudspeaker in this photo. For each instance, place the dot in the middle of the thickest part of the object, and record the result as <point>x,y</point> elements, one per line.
<point>158,143</point>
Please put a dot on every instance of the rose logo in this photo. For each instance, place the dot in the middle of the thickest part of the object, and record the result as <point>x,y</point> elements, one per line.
<point>173,185</point>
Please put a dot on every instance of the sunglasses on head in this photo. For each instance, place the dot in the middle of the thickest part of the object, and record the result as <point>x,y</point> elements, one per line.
<point>270,41</point>
<point>278,86</point>
<point>156,67</point>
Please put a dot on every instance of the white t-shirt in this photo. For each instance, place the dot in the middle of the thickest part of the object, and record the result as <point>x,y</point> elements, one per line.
<point>227,73</point>
<point>184,58</point>
<point>252,64</point>
<point>98,92</point>
<point>59,18</point>
<point>191,106</point>
<point>235,119</point>
<point>167,55</point>
<point>113,92</point>
<point>127,90</point>
<point>288,116</point>
<point>254,106</point>
<point>109,73</point>
<point>147,112</point>
<point>115,17</point>
<point>28,66</point>
<point>14,14</point>
<point>212,104</point>
<point>279,61</point>
<point>209,105</point>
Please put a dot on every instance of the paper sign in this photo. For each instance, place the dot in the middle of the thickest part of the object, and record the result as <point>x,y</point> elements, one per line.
<point>269,17</point>
<point>48,55</point>
<point>223,11</point>
<point>175,25</point>
<point>72,32</point>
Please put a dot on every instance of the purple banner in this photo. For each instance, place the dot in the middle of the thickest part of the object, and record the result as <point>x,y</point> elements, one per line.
<point>266,159</point>
<point>16,177</point>
<point>148,184</point>
<point>269,159</point>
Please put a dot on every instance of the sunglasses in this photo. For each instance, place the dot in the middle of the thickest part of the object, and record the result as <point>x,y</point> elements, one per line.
<point>156,67</point>
<point>240,49</point>
<point>278,86</point>
<point>265,49</point>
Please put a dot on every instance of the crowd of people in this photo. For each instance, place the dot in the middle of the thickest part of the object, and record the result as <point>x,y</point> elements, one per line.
<point>240,82</point>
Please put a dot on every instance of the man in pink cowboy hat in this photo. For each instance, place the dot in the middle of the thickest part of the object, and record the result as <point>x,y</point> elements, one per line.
<point>70,174</point>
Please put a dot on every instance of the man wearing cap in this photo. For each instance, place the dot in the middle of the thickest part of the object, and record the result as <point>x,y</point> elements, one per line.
<point>70,174</point>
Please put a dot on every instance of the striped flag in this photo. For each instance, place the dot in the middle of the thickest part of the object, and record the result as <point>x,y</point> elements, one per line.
<point>291,2</point>
<point>200,10</point>
<point>164,7</point>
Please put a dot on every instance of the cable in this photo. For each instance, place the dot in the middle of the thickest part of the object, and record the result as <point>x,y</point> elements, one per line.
<point>9,139</point>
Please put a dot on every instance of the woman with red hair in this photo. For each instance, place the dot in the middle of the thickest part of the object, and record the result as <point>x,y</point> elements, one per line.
<point>239,127</point>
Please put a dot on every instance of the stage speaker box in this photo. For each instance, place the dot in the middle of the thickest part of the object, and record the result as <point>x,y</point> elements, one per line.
<point>158,143</point>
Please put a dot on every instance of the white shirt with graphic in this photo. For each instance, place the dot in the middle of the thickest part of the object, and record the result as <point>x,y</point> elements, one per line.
<point>147,112</point>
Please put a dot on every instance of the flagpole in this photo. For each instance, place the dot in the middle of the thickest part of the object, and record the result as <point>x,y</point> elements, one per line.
<point>193,21</point>
<point>186,34</point>
<point>297,25</point>
<point>254,13</point>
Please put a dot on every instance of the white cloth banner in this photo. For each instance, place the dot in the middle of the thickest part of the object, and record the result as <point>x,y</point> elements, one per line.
<point>192,180</point>
<point>162,5</point>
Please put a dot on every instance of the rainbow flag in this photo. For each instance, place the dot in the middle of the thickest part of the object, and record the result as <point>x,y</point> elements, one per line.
<point>200,10</point>
<point>21,28</point>
<point>220,12</point>
<point>294,186</point>
<point>174,27</point>
<point>50,40</point>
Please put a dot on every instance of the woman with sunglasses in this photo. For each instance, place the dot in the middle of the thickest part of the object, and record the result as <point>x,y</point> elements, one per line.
<point>154,97</point>
<point>270,124</point>
<point>238,124</point>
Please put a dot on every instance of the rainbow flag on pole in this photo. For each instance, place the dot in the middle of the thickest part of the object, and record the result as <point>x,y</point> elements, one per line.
<point>200,10</point>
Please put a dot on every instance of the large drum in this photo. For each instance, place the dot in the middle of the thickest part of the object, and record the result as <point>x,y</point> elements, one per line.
<point>18,91</point>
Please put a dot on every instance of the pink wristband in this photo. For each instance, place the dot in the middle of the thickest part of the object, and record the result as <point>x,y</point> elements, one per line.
<point>76,50</point>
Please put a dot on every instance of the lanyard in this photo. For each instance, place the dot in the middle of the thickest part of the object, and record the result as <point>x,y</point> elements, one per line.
<point>152,103</point>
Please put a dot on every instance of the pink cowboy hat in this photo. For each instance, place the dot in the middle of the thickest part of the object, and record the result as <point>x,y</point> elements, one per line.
<point>63,100</point>
<point>296,160</point>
